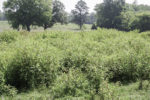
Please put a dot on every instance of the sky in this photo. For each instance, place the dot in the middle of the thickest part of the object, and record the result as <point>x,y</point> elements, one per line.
<point>70,4</point>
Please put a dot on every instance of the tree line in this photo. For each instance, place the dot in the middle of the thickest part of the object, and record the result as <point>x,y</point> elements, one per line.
<point>110,14</point>
<point>122,16</point>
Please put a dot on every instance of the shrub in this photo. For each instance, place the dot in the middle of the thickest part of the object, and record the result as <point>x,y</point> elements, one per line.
<point>141,22</point>
<point>122,67</point>
<point>128,67</point>
<point>72,84</point>
<point>4,89</point>
<point>94,27</point>
<point>32,66</point>
<point>76,84</point>
<point>8,36</point>
<point>80,63</point>
<point>1,78</point>
<point>89,68</point>
<point>74,60</point>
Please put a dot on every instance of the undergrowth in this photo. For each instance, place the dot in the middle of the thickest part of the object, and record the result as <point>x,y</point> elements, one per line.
<point>73,64</point>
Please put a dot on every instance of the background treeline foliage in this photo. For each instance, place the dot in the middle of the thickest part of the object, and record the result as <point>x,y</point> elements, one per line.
<point>123,16</point>
<point>110,14</point>
<point>26,13</point>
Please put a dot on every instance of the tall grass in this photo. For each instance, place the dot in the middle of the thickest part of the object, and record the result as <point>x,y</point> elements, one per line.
<point>73,64</point>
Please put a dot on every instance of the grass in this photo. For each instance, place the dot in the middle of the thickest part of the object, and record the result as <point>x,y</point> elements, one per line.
<point>124,92</point>
<point>131,92</point>
<point>4,26</point>
<point>78,61</point>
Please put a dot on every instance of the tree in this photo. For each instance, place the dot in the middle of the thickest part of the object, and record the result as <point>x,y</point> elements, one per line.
<point>127,19</point>
<point>142,22</point>
<point>28,12</point>
<point>108,13</point>
<point>44,18</point>
<point>58,14</point>
<point>80,13</point>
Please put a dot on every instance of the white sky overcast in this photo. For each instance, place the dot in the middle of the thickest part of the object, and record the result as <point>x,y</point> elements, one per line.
<point>70,4</point>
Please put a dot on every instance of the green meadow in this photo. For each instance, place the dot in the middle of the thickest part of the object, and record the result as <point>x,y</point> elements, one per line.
<point>67,64</point>
<point>5,26</point>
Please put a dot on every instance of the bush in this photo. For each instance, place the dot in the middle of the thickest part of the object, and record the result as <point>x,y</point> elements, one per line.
<point>74,60</point>
<point>4,89</point>
<point>142,23</point>
<point>1,78</point>
<point>32,66</point>
<point>94,27</point>
<point>122,67</point>
<point>128,67</point>
<point>75,65</point>
<point>8,36</point>
<point>72,84</point>
<point>76,84</point>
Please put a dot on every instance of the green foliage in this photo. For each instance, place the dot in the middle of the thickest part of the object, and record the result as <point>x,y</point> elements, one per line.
<point>59,14</point>
<point>134,21</point>
<point>138,7</point>
<point>77,84</point>
<point>74,64</point>
<point>123,16</point>
<point>128,67</point>
<point>44,13</point>
<point>80,13</point>
<point>127,18</point>
<point>72,84</point>
<point>142,22</point>
<point>32,66</point>
<point>6,89</point>
<point>27,12</point>
<point>108,13</point>
<point>8,36</point>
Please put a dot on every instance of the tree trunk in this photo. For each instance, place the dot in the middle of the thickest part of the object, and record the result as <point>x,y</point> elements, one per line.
<point>80,26</point>
<point>28,28</point>
<point>80,21</point>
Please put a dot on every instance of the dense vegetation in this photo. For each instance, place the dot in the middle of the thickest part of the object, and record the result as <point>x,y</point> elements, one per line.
<point>73,64</point>
<point>24,13</point>
<point>123,16</point>
<point>120,15</point>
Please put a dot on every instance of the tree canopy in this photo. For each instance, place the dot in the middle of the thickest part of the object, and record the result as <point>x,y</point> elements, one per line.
<point>123,16</point>
<point>108,13</point>
<point>80,13</point>
<point>28,12</point>
<point>59,13</point>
